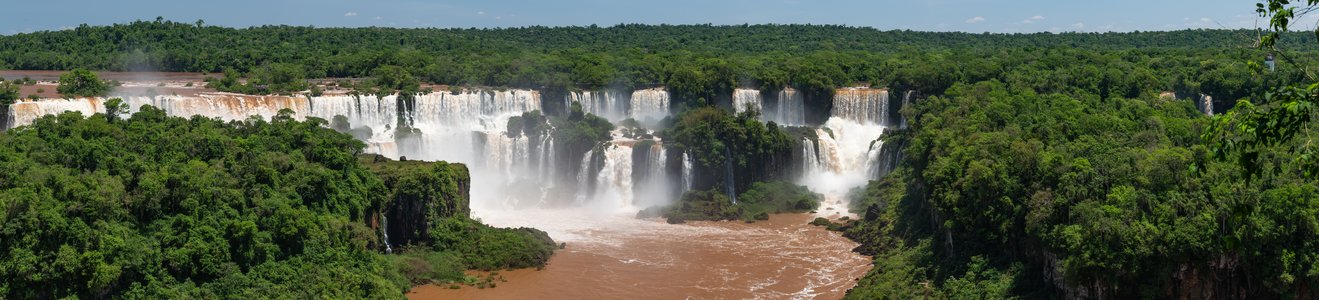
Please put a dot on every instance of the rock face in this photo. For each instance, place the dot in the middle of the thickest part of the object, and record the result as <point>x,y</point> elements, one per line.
<point>420,193</point>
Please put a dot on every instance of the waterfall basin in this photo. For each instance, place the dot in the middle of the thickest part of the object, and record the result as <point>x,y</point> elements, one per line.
<point>620,257</point>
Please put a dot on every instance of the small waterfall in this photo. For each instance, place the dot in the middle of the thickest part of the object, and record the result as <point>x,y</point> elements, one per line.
<point>650,105</point>
<point>810,162</point>
<point>861,105</point>
<point>906,101</point>
<point>384,231</point>
<point>790,108</point>
<point>728,176</point>
<point>747,99</point>
<point>687,174</point>
<point>610,105</point>
<point>584,186</point>
<point>651,185</point>
<point>614,184</point>
<point>1206,105</point>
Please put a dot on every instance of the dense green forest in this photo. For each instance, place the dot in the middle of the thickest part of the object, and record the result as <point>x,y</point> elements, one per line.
<point>697,63</point>
<point>1008,192</point>
<point>152,206</point>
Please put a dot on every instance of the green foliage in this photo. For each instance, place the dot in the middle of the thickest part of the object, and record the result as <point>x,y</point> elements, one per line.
<point>196,207</point>
<point>488,248</point>
<point>421,266</point>
<point>1284,117</point>
<point>779,197</point>
<point>8,93</point>
<point>276,78</point>
<point>165,207</point>
<point>1116,195</point>
<point>762,199</point>
<point>575,134</point>
<point>698,64</point>
<point>758,151</point>
<point>702,205</point>
<point>82,83</point>
<point>394,79</point>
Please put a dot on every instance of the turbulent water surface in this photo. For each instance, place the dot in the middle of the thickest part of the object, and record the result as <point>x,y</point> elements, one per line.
<point>619,257</point>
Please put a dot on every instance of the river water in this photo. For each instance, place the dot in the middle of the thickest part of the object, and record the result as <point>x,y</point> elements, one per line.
<point>619,257</point>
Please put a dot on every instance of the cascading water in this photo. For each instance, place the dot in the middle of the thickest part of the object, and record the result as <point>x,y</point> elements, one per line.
<point>384,224</point>
<point>651,185</point>
<point>906,101</point>
<point>861,105</point>
<point>729,180</point>
<point>1206,104</point>
<point>687,175</point>
<point>610,105</point>
<point>584,190</point>
<point>747,99</point>
<point>845,148</point>
<point>790,108</point>
<point>649,106</point>
<point>614,183</point>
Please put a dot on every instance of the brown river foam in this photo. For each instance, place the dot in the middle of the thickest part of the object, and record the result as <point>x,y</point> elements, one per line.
<point>783,258</point>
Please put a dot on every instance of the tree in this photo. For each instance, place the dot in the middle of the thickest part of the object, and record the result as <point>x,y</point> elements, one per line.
<point>1284,117</point>
<point>115,107</point>
<point>8,93</point>
<point>82,83</point>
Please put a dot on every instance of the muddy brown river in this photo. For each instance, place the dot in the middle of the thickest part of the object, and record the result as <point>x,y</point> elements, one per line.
<point>617,257</point>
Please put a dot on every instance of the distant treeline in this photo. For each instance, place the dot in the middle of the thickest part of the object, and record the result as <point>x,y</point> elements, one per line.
<point>696,62</point>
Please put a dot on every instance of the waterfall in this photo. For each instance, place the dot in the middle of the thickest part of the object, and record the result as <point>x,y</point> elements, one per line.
<point>584,190</point>
<point>729,181</point>
<point>649,106</point>
<point>687,174</point>
<point>810,161</point>
<point>747,99</point>
<point>790,108</point>
<point>24,112</point>
<point>651,185</point>
<point>614,183</point>
<point>846,151</point>
<point>906,101</point>
<point>509,169</point>
<point>610,105</point>
<point>861,105</point>
<point>384,231</point>
<point>1206,105</point>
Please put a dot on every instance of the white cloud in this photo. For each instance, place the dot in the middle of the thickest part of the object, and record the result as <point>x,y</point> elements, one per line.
<point>350,14</point>
<point>1205,20</point>
<point>1078,25</point>
<point>499,17</point>
<point>1037,18</point>
<point>378,18</point>
<point>481,12</point>
<point>974,20</point>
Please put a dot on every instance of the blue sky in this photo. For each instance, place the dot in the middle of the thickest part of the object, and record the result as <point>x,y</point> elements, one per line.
<point>926,15</point>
